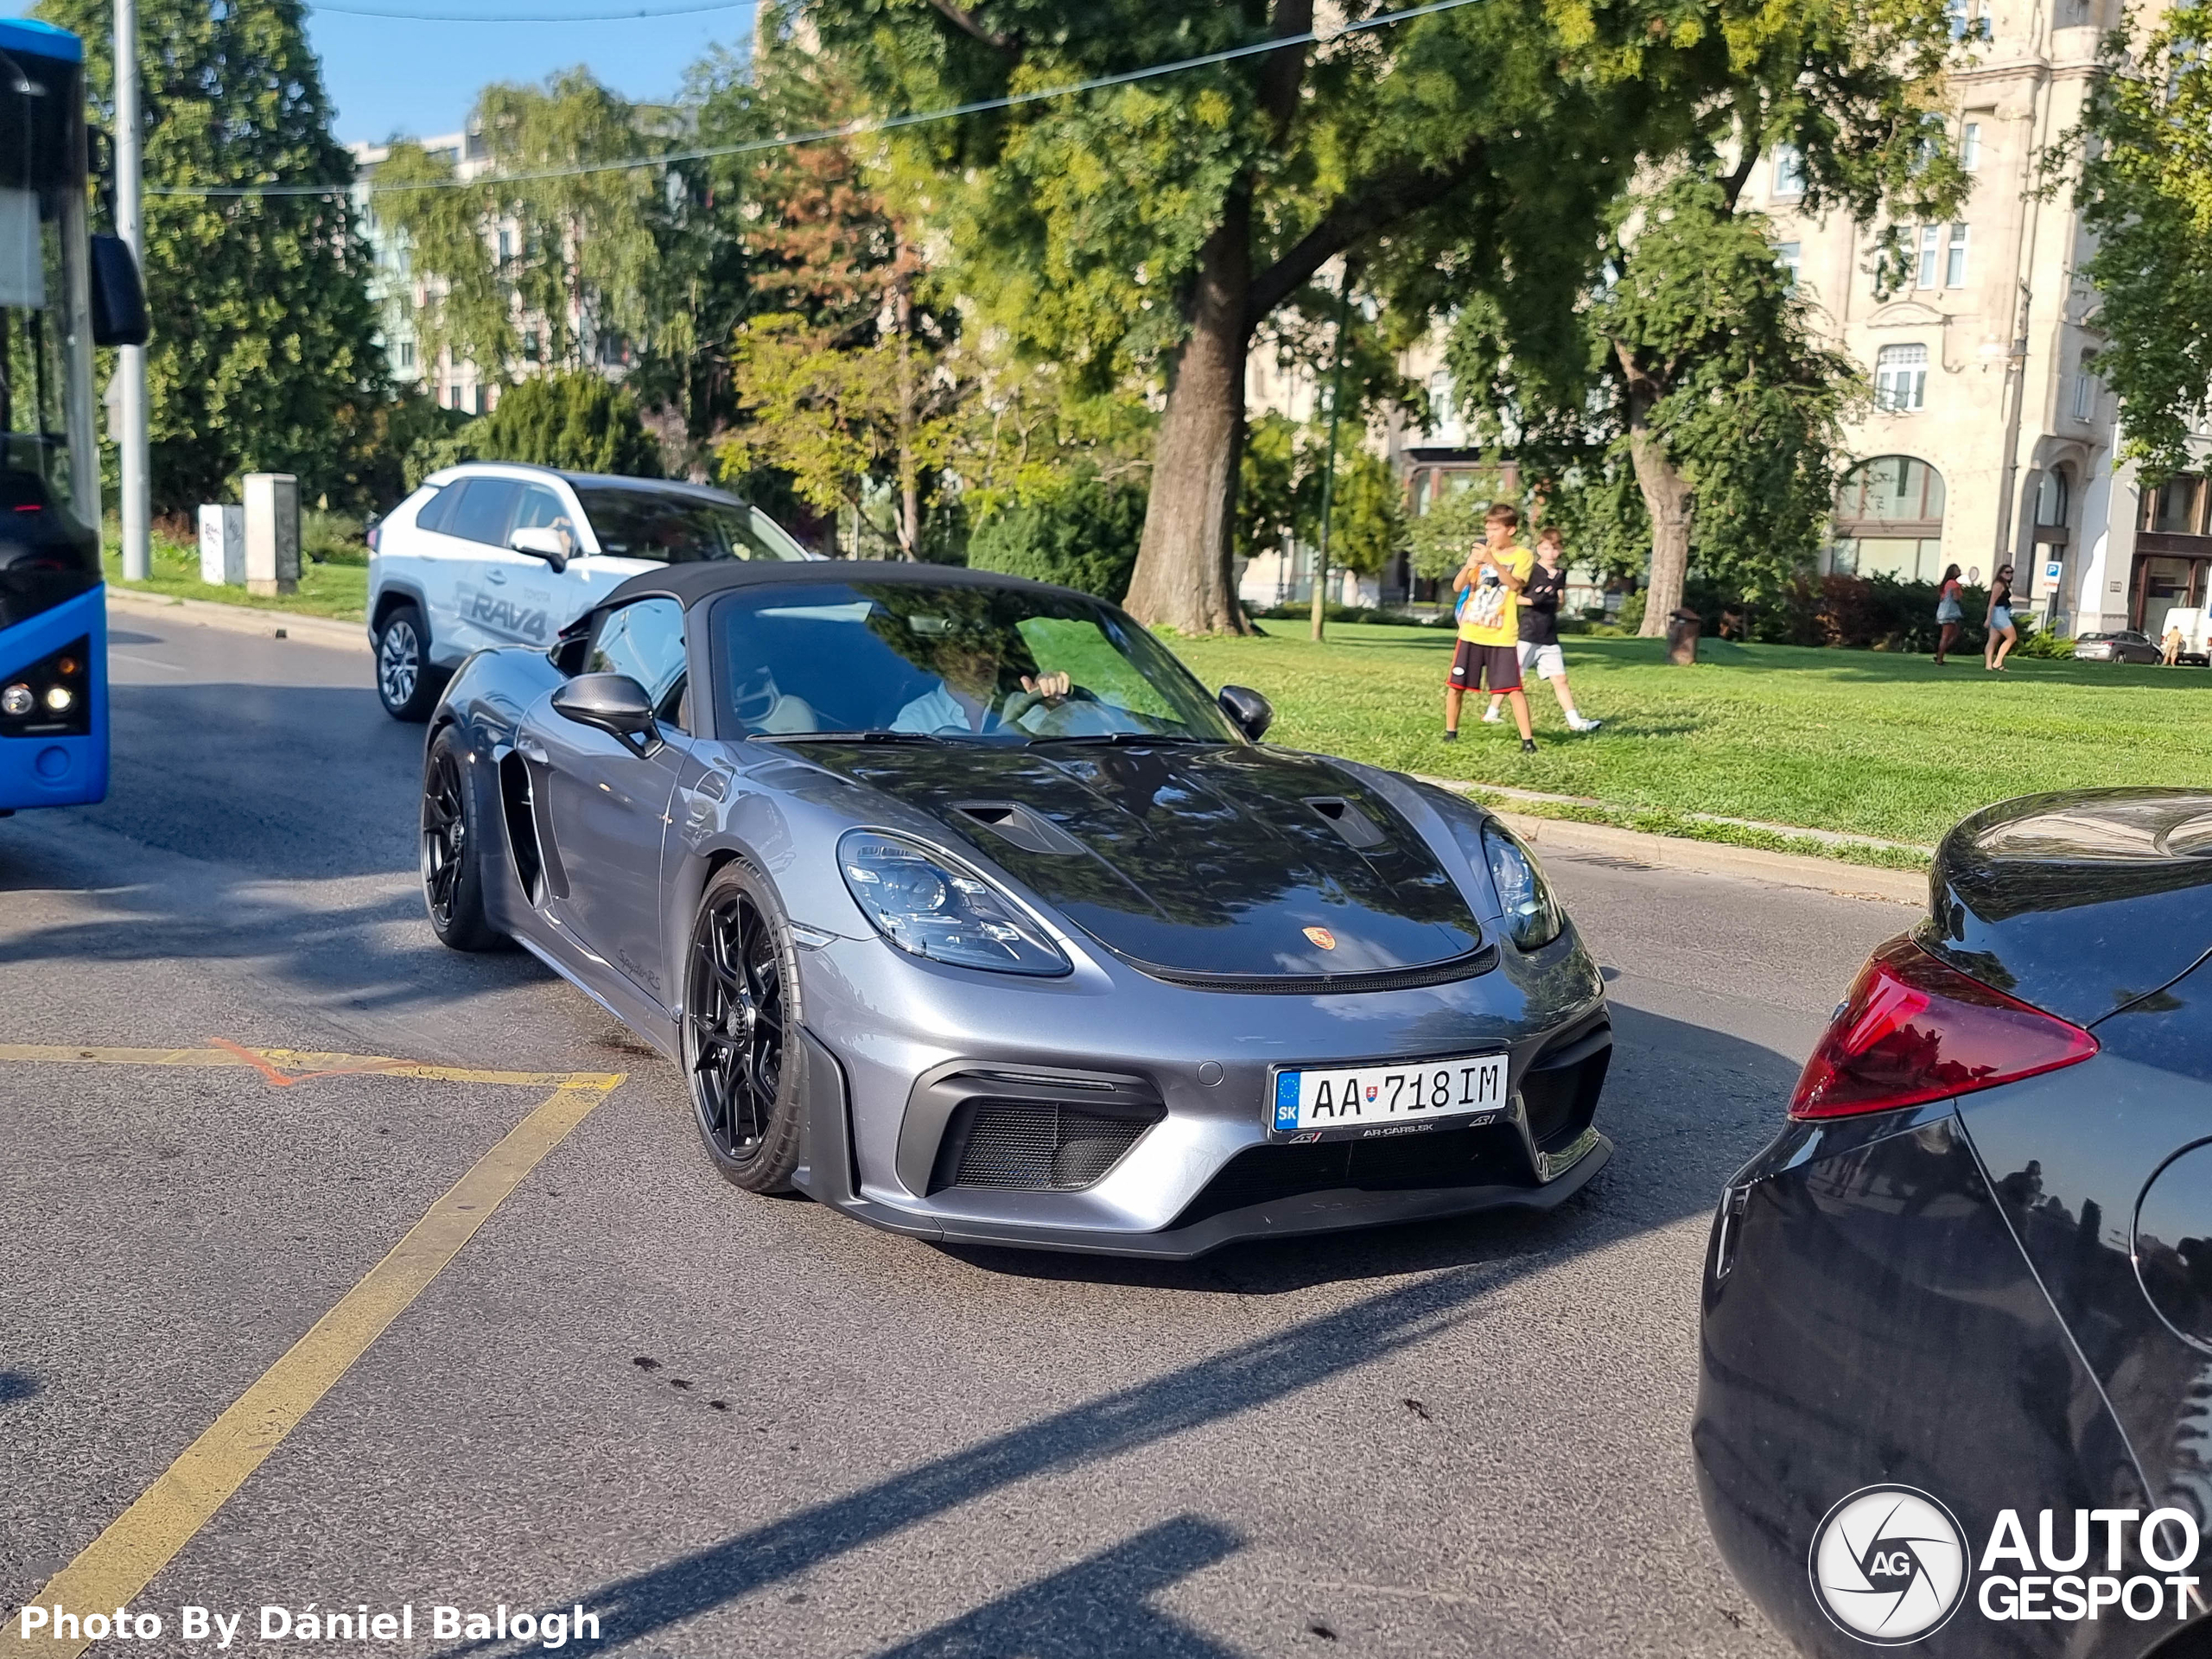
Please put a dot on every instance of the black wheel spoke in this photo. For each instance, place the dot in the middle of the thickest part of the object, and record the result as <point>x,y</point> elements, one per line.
<point>736,1017</point>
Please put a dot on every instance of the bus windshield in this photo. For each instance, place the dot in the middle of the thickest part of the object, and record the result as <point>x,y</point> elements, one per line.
<point>49,489</point>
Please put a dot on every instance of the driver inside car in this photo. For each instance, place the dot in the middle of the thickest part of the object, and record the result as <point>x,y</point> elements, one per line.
<point>979,689</point>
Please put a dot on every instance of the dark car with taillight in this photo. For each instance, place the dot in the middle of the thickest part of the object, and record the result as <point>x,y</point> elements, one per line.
<point>1973,1275</point>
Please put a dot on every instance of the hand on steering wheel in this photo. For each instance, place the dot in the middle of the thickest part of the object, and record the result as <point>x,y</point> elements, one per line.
<point>1051,687</point>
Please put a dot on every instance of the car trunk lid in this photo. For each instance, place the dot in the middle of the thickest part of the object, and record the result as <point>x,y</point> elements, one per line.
<point>2078,902</point>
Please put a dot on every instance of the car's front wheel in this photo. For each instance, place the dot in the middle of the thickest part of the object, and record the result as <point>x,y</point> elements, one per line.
<point>454,819</point>
<point>741,1031</point>
<point>405,684</point>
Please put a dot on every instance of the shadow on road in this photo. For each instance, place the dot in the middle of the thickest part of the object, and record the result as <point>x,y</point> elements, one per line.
<point>1688,1106</point>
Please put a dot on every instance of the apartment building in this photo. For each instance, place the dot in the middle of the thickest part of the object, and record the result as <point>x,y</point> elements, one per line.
<point>1992,439</point>
<point>399,293</point>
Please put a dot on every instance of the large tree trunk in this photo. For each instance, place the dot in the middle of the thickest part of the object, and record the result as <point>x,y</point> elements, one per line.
<point>1667,498</point>
<point>1182,578</point>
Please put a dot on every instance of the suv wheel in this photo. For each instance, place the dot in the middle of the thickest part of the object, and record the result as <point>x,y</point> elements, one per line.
<point>404,678</point>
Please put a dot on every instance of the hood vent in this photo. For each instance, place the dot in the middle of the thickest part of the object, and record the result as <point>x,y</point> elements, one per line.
<point>1348,821</point>
<point>1031,831</point>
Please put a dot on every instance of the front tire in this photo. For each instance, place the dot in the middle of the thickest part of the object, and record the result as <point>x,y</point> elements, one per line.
<point>455,820</point>
<point>405,684</point>
<point>741,1053</point>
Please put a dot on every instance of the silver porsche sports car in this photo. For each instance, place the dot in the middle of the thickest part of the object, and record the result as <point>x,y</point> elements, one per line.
<point>966,911</point>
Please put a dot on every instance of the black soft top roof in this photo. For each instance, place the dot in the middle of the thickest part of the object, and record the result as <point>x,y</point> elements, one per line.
<point>698,580</point>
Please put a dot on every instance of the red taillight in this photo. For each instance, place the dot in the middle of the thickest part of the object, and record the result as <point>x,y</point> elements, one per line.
<point>1914,1028</point>
<point>375,530</point>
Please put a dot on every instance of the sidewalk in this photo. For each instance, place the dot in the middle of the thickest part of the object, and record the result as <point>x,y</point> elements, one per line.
<point>240,618</point>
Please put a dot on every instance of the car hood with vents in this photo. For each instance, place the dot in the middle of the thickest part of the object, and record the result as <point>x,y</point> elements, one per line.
<point>1196,858</point>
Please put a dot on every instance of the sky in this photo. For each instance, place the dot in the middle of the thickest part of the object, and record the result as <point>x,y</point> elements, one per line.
<point>387,76</point>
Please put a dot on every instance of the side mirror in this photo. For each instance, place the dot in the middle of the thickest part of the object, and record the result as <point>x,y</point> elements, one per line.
<point>616,704</point>
<point>542,541</point>
<point>119,297</point>
<point>1249,712</point>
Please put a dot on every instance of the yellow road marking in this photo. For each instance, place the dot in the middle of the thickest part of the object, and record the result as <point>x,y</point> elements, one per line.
<point>120,1563</point>
<point>293,1060</point>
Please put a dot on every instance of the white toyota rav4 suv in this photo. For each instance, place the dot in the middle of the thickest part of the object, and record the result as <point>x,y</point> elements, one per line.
<point>499,553</point>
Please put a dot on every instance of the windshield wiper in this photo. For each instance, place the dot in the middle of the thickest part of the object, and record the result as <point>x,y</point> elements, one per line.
<point>1125,737</point>
<point>846,737</point>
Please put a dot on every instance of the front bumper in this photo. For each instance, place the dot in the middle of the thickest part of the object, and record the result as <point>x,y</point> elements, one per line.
<point>908,1064</point>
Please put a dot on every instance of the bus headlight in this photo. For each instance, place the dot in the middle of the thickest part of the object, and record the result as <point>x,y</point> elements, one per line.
<point>17,701</point>
<point>59,697</point>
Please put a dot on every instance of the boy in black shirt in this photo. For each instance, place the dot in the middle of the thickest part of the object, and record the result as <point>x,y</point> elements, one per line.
<point>1539,651</point>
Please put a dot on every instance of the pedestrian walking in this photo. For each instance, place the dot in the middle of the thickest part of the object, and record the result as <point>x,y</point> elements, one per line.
<point>1488,656</point>
<point>2170,649</point>
<point>1950,613</point>
<point>2003,636</point>
<point>1540,649</point>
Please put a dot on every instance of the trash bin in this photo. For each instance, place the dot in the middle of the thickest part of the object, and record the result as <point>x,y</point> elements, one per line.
<point>1682,637</point>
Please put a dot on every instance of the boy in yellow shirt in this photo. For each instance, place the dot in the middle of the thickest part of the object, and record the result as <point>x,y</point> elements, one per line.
<point>1488,589</point>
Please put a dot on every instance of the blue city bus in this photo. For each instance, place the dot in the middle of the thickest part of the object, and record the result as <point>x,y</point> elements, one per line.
<point>62,292</point>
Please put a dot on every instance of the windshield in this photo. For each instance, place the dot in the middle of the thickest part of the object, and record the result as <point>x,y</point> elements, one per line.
<point>49,478</point>
<point>951,663</point>
<point>670,527</point>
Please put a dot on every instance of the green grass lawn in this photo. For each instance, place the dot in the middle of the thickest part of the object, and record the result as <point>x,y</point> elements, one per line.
<point>1861,742</point>
<point>335,590</point>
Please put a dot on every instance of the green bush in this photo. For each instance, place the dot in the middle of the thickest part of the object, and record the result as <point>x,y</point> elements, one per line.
<point>333,538</point>
<point>577,422</point>
<point>1084,535</point>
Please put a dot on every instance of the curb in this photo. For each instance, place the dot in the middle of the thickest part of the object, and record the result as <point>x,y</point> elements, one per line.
<point>240,618</point>
<point>1718,858</point>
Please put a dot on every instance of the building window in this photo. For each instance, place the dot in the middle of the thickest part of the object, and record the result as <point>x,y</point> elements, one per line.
<point>2085,389</point>
<point>2051,500</point>
<point>406,353</point>
<point>2175,507</point>
<point>1790,255</point>
<point>1901,378</point>
<point>1931,249</point>
<point>1788,170</point>
<point>506,246</point>
<point>1954,262</point>
<point>1970,146</point>
<point>1889,520</point>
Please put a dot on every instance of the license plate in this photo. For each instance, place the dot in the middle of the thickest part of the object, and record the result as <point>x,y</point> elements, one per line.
<point>1396,1094</point>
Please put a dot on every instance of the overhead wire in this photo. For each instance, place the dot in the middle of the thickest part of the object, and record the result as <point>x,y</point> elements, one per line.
<point>849,129</point>
<point>535,17</point>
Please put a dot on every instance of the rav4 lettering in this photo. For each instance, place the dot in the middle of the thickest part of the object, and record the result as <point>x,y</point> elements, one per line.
<point>503,615</point>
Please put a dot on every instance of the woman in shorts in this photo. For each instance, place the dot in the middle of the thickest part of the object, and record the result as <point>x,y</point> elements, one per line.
<point>2003,635</point>
<point>1950,615</point>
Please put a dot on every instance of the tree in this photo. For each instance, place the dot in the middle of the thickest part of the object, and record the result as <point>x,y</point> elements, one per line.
<point>264,355</point>
<point>1702,365</point>
<point>1279,497</point>
<point>530,263</point>
<point>1083,534</point>
<point>2145,192</point>
<point>826,244</point>
<point>1148,231</point>
<point>835,416</point>
<point>576,421</point>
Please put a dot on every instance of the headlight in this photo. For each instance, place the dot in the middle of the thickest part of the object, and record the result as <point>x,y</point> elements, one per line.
<point>926,905</point>
<point>1533,917</point>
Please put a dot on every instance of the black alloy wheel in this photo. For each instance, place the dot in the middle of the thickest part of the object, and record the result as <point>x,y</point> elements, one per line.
<point>405,684</point>
<point>453,848</point>
<point>740,1032</point>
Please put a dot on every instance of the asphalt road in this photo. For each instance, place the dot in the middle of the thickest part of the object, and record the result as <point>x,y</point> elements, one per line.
<point>732,1425</point>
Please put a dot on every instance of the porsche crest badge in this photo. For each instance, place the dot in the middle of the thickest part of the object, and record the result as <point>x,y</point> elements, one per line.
<point>1322,936</point>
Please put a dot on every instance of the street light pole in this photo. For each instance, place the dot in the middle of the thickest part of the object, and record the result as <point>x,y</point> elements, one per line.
<point>1329,477</point>
<point>137,505</point>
